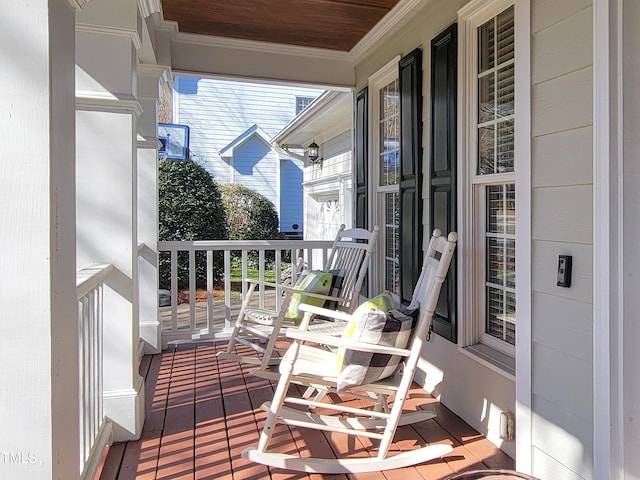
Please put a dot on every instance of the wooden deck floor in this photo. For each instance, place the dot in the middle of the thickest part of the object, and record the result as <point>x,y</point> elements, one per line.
<point>202,413</point>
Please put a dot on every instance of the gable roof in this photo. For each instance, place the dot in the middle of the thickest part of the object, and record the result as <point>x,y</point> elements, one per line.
<point>254,130</point>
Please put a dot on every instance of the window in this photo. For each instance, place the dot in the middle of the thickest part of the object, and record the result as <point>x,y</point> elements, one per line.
<point>489,175</point>
<point>389,168</point>
<point>302,103</point>
<point>385,147</point>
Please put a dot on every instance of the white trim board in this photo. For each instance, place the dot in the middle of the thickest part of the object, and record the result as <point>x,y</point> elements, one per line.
<point>468,16</point>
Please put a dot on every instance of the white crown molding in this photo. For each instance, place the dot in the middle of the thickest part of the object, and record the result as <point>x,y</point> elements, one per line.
<point>78,4</point>
<point>162,72</point>
<point>400,14</point>
<point>104,30</point>
<point>149,7</point>
<point>148,143</point>
<point>93,101</point>
<point>261,47</point>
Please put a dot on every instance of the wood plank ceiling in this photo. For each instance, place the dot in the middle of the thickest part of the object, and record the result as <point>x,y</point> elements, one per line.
<point>331,24</point>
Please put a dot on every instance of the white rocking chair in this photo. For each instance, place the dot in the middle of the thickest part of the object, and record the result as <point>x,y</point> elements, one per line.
<point>309,365</point>
<point>260,328</point>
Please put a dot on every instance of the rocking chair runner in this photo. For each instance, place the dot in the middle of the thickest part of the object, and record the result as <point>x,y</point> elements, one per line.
<point>349,260</point>
<point>308,365</point>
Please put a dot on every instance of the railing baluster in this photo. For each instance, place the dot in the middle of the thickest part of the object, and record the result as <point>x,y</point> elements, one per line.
<point>245,272</point>
<point>92,424</point>
<point>192,289</point>
<point>181,324</point>
<point>227,288</point>
<point>278,266</point>
<point>174,290</point>
<point>210,289</point>
<point>261,276</point>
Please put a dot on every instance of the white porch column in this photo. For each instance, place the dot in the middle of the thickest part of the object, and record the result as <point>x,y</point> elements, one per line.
<point>151,78</point>
<point>616,236</point>
<point>39,411</point>
<point>108,35</point>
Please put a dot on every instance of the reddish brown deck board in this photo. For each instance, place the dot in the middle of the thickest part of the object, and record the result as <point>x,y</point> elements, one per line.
<point>212,459</point>
<point>201,413</point>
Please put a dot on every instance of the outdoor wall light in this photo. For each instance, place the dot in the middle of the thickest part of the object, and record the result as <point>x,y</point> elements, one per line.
<point>313,153</point>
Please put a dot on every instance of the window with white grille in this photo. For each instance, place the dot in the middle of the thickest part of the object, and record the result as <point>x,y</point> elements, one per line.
<point>385,173</point>
<point>388,188</point>
<point>302,103</point>
<point>495,180</point>
<point>489,175</point>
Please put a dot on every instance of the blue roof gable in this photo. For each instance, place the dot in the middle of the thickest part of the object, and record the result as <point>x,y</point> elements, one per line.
<point>254,130</point>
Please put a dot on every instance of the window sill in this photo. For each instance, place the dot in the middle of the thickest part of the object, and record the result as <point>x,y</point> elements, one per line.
<point>493,359</point>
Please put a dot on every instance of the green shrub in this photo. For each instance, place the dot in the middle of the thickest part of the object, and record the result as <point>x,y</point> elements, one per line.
<point>250,215</point>
<point>190,208</point>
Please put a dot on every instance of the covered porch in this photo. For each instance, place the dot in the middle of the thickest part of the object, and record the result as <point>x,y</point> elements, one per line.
<point>201,412</point>
<point>83,359</point>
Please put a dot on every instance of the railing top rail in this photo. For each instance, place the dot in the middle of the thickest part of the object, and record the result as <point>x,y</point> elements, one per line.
<point>90,277</point>
<point>243,244</point>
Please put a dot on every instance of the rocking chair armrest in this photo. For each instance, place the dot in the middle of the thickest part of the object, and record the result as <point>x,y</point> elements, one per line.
<point>331,341</point>
<point>293,289</point>
<point>325,312</point>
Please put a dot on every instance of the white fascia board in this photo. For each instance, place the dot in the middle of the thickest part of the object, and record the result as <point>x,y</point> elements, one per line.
<point>260,61</point>
<point>327,116</point>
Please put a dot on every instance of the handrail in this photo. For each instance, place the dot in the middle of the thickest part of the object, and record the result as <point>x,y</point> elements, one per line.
<point>213,317</point>
<point>90,277</point>
<point>243,244</point>
<point>95,430</point>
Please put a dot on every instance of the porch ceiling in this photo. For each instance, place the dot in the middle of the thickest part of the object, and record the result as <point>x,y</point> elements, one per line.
<point>330,24</point>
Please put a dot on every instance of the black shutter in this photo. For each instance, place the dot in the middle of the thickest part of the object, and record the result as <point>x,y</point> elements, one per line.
<point>361,172</point>
<point>442,188</point>
<point>410,79</point>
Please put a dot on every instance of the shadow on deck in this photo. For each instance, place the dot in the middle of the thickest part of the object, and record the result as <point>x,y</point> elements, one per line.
<point>202,413</point>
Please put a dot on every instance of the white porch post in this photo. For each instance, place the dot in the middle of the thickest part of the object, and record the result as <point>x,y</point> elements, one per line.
<point>616,234</point>
<point>108,35</point>
<point>39,407</point>
<point>150,79</point>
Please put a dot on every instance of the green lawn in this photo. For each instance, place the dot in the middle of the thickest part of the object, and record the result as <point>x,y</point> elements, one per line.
<point>236,274</point>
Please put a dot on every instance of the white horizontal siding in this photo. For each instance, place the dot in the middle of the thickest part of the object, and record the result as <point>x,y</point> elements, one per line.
<point>562,224</point>
<point>218,111</point>
<point>545,13</point>
<point>563,158</point>
<point>551,463</point>
<point>563,103</point>
<point>555,53</point>
<point>563,214</point>
<point>573,336</point>
<point>567,370</point>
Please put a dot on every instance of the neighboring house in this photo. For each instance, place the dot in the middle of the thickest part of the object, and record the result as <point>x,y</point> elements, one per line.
<point>327,180</point>
<point>231,124</point>
<point>514,122</point>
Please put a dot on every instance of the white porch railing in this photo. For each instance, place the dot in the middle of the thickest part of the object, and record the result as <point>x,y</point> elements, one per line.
<point>214,317</point>
<point>95,432</point>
